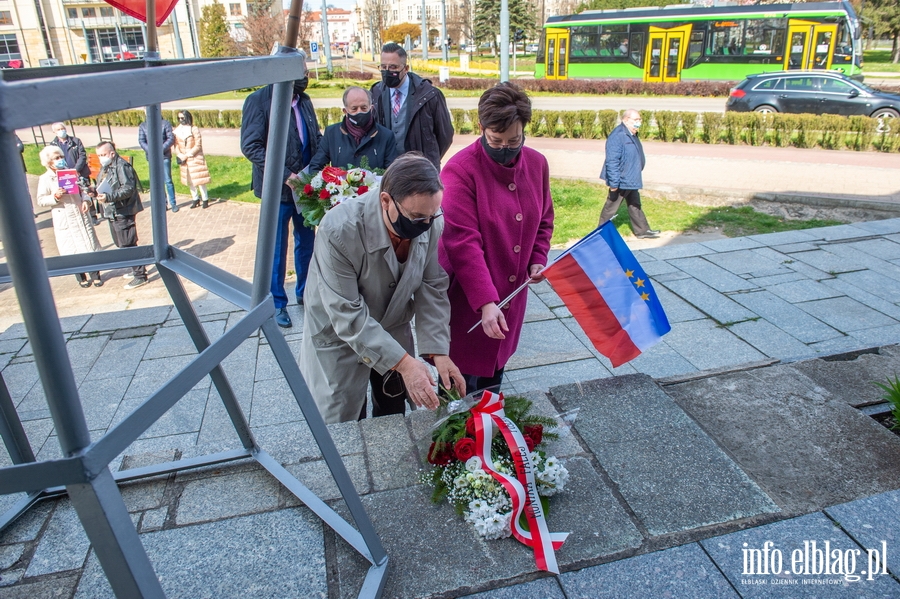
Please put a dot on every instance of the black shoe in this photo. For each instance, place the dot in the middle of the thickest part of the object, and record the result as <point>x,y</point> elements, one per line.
<point>650,234</point>
<point>135,283</point>
<point>299,301</point>
<point>84,284</point>
<point>205,204</point>
<point>195,204</point>
<point>282,318</point>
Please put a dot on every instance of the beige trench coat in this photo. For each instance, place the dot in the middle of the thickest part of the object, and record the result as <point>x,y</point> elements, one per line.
<point>72,228</point>
<point>360,301</point>
<point>193,170</point>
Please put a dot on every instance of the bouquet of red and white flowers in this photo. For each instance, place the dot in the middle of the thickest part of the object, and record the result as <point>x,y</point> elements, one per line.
<point>315,194</point>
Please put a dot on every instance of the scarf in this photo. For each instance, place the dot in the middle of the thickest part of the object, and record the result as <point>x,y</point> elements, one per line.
<point>357,133</point>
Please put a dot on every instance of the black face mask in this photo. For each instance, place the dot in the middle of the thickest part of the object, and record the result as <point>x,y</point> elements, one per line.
<point>405,228</point>
<point>360,119</point>
<point>502,156</point>
<point>300,85</point>
<point>391,78</point>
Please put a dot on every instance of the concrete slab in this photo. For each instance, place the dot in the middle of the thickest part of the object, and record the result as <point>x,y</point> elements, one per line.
<point>125,319</point>
<point>718,278</point>
<point>393,459</point>
<point>671,474</point>
<point>870,522</point>
<point>543,588</point>
<point>218,497</point>
<point>671,252</point>
<point>788,537</point>
<point>120,357</point>
<point>718,349</point>
<point>318,478</point>
<point>63,546</point>
<point>175,341</point>
<point>802,291</point>
<point>873,283</point>
<point>266,556</point>
<point>661,361</point>
<point>717,305</point>
<point>784,237</point>
<point>542,378</point>
<point>274,403</point>
<point>684,571</point>
<point>866,260</point>
<point>677,310</point>
<point>770,340</point>
<point>786,316</point>
<point>809,436</point>
<point>731,245</point>
<point>881,227</point>
<point>846,314</point>
<point>852,380</point>
<point>877,336</point>
<point>537,309</point>
<point>885,306</point>
<point>766,279</point>
<point>882,248</point>
<point>546,342</point>
<point>587,509</point>
<point>743,261</point>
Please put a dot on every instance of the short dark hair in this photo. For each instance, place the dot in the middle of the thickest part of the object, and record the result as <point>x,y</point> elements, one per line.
<point>411,174</point>
<point>502,105</point>
<point>394,48</point>
<point>106,143</point>
<point>188,117</point>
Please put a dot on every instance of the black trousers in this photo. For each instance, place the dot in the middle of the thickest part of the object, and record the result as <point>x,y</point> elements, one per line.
<point>124,234</point>
<point>479,383</point>
<point>632,198</point>
<point>388,394</point>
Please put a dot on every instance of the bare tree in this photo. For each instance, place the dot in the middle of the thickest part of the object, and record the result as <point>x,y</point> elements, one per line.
<point>307,24</point>
<point>264,25</point>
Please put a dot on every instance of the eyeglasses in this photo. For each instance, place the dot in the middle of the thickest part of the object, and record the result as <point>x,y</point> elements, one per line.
<point>391,67</point>
<point>507,146</point>
<point>424,219</point>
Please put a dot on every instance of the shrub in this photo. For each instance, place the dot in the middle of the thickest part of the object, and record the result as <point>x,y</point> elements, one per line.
<point>783,126</point>
<point>569,120</point>
<point>473,118</point>
<point>231,118</point>
<point>459,119</point>
<point>889,141</point>
<point>712,126</point>
<point>688,126</point>
<point>862,129</point>
<point>322,115</point>
<point>807,135</point>
<point>551,120</point>
<point>735,122</point>
<point>757,124</point>
<point>534,127</point>
<point>335,114</point>
<point>606,122</point>
<point>667,124</point>
<point>587,119</point>
<point>600,86</point>
<point>646,124</point>
<point>834,130</point>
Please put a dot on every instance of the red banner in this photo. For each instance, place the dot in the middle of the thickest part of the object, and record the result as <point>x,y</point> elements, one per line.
<point>138,9</point>
<point>522,488</point>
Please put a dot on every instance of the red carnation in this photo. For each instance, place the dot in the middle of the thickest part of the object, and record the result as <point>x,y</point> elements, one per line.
<point>324,195</point>
<point>439,458</point>
<point>464,449</point>
<point>536,432</point>
<point>308,189</point>
<point>530,443</point>
<point>362,189</point>
<point>470,426</point>
<point>332,174</point>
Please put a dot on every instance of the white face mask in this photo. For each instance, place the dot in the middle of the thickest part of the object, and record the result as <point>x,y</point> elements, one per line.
<point>105,160</point>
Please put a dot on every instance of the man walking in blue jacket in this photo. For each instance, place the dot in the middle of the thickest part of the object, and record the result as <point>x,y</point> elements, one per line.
<point>622,172</point>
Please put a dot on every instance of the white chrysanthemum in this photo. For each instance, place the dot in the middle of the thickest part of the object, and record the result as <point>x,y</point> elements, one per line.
<point>317,181</point>
<point>332,188</point>
<point>473,464</point>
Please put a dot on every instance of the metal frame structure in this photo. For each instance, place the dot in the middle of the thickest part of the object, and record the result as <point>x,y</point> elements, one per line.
<point>32,98</point>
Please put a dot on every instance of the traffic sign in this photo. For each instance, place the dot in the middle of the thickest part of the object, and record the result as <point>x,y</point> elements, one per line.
<point>314,47</point>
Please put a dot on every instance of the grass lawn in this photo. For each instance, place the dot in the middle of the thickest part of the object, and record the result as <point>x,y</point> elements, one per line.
<point>879,61</point>
<point>576,203</point>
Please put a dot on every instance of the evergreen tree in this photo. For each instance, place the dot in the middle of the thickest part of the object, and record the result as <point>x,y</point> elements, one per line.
<point>487,19</point>
<point>215,38</point>
<point>619,4</point>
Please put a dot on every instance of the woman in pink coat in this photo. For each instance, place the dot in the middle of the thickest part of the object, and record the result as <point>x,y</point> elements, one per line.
<point>498,222</point>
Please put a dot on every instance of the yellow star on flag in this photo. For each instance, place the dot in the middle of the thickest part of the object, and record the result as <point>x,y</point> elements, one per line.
<point>639,283</point>
<point>645,296</point>
<point>629,273</point>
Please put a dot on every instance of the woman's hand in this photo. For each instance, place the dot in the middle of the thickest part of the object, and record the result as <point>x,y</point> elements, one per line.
<point>85,207</point>
<point>534,271</point>
<point>59,193</point>
<point>493,322</point>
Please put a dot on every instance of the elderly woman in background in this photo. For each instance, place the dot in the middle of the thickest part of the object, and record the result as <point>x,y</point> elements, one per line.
<point>189,151</point>
<point>71,221</point>
<point>498,222</point>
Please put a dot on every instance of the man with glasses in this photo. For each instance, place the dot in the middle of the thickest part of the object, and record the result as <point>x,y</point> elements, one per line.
<point>374,268</point>
<point>413,108</point>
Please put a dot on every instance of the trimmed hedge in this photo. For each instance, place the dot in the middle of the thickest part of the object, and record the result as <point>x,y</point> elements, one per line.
<point>828,131</point>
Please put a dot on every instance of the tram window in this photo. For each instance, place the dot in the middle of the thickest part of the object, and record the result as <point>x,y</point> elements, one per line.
<point>695,48</point>
<point>614,41</point>
<point>763,36</point>
<point>585,41</point>
<point>637,49</point>
<point>725,38</point>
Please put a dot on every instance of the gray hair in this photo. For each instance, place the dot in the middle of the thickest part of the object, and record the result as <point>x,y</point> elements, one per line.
<point>631,113</point>
<point>411,174</point>
<point>49,154</point>
<point>353,87</point>
<point>57,125</point>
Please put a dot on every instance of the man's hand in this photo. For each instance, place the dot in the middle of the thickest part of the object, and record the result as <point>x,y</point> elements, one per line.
<point>292,176</point>
<point>418,381</point>
<point>493,322</point>
<point>449,373</point>
<point>534,271</point>
<point>101,197</point>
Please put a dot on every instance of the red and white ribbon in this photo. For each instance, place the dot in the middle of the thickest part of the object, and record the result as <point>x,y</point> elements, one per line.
<point>522,488</point>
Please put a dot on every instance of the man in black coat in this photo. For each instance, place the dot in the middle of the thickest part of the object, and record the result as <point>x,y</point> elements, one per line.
<point>72,149</point>
<point>411,107</point>
<point>357,136</point>
<point>119,177</point>
<point>302,143</point>
<point>168,137</point>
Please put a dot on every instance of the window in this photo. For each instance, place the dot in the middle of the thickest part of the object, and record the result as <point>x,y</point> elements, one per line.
<point>235,9</point>
<point>725,38</point>
<point>770,85</point>
<point>835,86</point>
<point>584,41</point>
<point>72,13</point>
<point>5,17</point>
<point>637,49</point>
<point>764,37</point>
<point>89,12</point>
<point>106,11</point>
<point>599,44</point>
<point>695,48</point>
<point>800,84</point>
<point>9,47</point>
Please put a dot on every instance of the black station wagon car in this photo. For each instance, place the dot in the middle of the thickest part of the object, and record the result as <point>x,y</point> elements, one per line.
<point>814,92</point>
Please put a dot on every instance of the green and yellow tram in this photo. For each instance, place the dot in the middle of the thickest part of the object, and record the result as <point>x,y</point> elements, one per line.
<point>689,42</point>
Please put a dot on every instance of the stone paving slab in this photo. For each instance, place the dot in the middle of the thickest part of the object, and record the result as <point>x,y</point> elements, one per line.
<point>63,546</point>
<point>786,316</point>
<point>851,380</point>
<point>237,557</point>
<point>543,588</point>
<point>872,283</point>
<point>788,537</point>
<point>546,342</point>
<point>717,305</point>
<point>770,340</point>
<point>449,556</point>
<point>718,278</point>
<point>884,306</point>
<point>803,291</point>
<point>684,571</point>
<point>671,474</point>
<point>845,314</point>
<point>743,261</point>
<point>226,496</point>
<point>870,522</point>
<point>707,346</point>
<point>812,440</point>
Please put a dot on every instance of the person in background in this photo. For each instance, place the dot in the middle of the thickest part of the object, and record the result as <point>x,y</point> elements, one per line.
<point>189,150</point>
<point>357,136</point>
<point>622,172</point>
<point>499,221</point>
<point>302,143</point>
<point>411,107</point>
<point>168,139</point>
<point>73,151</point>
<point>72,224</point>
<point>374,268</point>
<point>121,205</point>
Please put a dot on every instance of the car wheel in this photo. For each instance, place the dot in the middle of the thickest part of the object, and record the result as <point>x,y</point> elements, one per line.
<point>765,109</point>
<point>885,116</point>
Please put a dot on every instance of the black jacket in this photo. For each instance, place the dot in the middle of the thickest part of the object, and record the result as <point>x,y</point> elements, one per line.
<point>168,137</point>
<point>121,177</point>
<point>430,129</point>
<point>339,149</point>
<point>255,136</point>
<point>75,155</point>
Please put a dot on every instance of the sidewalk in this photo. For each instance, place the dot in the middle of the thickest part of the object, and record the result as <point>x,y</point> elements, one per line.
<point>732,430</point>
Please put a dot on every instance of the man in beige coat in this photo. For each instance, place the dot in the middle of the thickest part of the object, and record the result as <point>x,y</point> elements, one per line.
<point>374,268</point>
